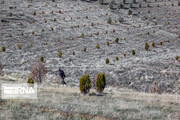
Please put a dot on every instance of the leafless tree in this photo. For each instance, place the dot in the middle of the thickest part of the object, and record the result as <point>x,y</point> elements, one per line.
<point>155,88</point>
<point>38,72</point>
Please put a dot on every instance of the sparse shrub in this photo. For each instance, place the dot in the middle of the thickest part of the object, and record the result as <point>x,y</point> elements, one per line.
<point>73,52</point>
<point>155,23</point>
<point>52,12</point>
<point>107,61</point>
<point>59,40</point>
<point>85,84</point>
<point>38,72</point>
<point>59,11</point>
<point>109,21</point>
<point>114,30</point>
<point>92,24</point>
<point>42,30</point>
<point>30,80</point>
<point>117,58</point>
<point>22,33</point>
<point>179,3</point>
<point>97,33</point>
<point>124,55</point>
<point>116,40</point>
<point>100,82</point>
<point>43,12</point>
<point>31,43</point>
<point>51,28</point>
<point>19,45</point>
<point>133,52</point>
<point>32,32</point>
<point>177,57</point>
<point>34,13</point>
<point>153,44</point>
<point>84,49</point>
<point>148,5</point>
<point>172,4</point>
<point>41,59</point>
<point>54,19</point>
<point>10,14</point>
<point>145,17</point>
<point>161,43</point>
<point>97,46</point>
<point>59,54</point>
<point>146,46</point>
<point>3,48</point>
<point>106,31</point>
<point>129,12</point>
<point>82,35</point>
<point>107,43</point>
<point>45,20</point>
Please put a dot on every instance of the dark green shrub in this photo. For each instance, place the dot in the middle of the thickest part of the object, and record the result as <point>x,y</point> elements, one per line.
<point>84,49</point>
<point>177,57</point>
<point>116,40</point>
<point>19,46</point>
<point>100,82</point>
<point>3,48</point>
<point>146,46</point>
<point>82,35</point>
<point>133,52</point>
<point>148,5</point>
<point>85,84</point>
<point>107,61</point>
<point>97,46</point>
<point>73,52</point>
<point>107,43</point>
<point>161,43</point>
<point>153,44</point>
<point>109,21</point>
<point>42,59</point>
<point>30,80</point>
<point>59,54</point>
<point>129,12</point>
<point>10,14</point>
<point>117,58</point>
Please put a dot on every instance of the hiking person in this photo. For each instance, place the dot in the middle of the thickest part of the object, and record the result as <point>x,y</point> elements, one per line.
<point>62,76</point>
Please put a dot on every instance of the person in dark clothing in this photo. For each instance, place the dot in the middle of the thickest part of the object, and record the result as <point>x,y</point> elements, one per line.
<point>62,76</point>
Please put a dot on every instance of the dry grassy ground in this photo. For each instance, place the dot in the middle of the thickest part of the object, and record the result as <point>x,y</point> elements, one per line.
<point>65,102</point>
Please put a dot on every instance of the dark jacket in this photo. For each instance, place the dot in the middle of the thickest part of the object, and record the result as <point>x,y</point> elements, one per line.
<point>62,74</point>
